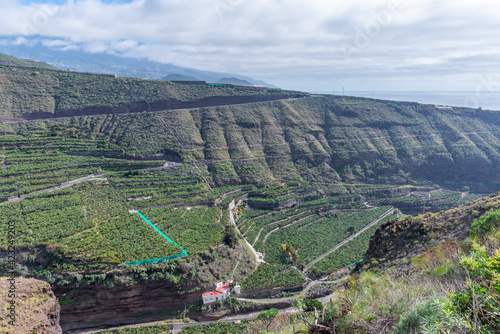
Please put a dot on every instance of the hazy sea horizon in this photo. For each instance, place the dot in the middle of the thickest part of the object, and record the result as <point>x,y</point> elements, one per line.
<point>485,100</point>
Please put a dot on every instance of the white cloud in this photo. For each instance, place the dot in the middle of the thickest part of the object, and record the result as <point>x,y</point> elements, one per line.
<point>293,43</point>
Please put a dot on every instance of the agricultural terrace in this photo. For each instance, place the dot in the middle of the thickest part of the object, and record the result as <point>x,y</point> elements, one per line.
<point>42,161</point>
<point>351,252</point>
<point>154,329</point>
<point>162,188</point>
<point>272,276</point>
<point>89,222</point>
<point>315,235</point>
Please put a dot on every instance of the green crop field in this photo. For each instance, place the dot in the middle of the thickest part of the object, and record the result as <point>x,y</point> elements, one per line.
<point>315,239</point>
<point>351,252</point>
<point>156,329</point>
<point>272,276</point>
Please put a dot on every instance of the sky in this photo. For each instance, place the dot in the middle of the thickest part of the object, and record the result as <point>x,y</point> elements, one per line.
<point>316,45</point>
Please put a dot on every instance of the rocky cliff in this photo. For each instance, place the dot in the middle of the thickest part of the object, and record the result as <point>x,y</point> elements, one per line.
<point>35,308</point>
<point>95,307</point>
<point>397,241</point>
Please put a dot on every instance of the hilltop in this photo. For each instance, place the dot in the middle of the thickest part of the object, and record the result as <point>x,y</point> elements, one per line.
<point>10,60</point>
<point>235,81</point>
<point>30,90</point>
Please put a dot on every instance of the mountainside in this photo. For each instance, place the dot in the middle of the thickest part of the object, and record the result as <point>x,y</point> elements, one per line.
<point>77,60</point>
<point>10,60</point>
<point>27,90</point>
<point>234,81</point>
<point>179,77</point>
<point>328,141</point>
<point>397,241</point>
<point>122,191</point>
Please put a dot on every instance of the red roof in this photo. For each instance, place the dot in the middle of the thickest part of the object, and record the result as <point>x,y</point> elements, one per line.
<point>213,293</point>
<point>222,288</point>
<point>219,291</point>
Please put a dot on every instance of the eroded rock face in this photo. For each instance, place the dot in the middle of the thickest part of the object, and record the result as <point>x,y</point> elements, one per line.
<point>95,307</point>
<point>35,308</point>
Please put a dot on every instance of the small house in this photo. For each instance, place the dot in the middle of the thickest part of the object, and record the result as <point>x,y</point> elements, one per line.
<point>220,293</point>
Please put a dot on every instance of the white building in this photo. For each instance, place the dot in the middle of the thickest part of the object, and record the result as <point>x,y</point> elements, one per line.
<point>221,292</point>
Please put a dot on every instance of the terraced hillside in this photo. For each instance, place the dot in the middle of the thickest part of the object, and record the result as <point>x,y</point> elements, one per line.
<point>41,92</point>
<point>309,178</point>
<point>326,141</point>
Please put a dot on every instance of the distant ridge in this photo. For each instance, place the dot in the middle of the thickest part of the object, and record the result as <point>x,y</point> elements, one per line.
<point>235,81</point>
<point>10,60</point>
<point>81,61</point>
<point>180,77</point>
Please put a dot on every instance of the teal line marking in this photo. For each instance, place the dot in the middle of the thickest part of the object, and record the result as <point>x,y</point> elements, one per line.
<point>354,263</point>
<point>176,256</point>
<point>161,259</point>
<point>157,230</point>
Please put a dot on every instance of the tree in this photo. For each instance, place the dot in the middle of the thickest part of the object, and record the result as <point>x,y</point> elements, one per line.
<point>311,304</point>
<point>268,315</point>
<point>231,236</point>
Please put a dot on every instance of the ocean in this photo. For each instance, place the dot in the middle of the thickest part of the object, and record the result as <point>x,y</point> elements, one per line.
<point>485,100</point>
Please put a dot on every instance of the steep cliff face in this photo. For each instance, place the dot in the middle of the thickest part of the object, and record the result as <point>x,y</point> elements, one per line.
<point>95,307</point>
<point>323,140</point>
<point>146,295</point>
<point>35,308</point>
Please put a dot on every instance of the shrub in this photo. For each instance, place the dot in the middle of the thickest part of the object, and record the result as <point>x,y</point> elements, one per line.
<point>310,304</point>
<point>411,322</point>
<point>480,301</point>
<point>486,223</point>
<point>443,319</point>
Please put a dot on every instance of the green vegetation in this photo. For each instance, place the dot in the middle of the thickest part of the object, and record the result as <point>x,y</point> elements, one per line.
<point>349,253</point>
<point>480,301</point>
<point>216,328</point>
<point>272,275</point>
<point>196,229</point>
<point>156,329</point>
<point>314,240</point>
<point>10,60</point>
<point>268,316</point>
<point>91,224</point>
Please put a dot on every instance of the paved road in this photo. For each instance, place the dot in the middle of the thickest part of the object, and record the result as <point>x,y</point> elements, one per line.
<point>388,212</point>
<point>83,179</point>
